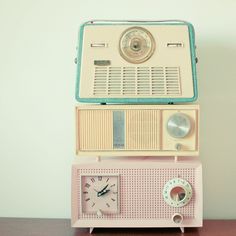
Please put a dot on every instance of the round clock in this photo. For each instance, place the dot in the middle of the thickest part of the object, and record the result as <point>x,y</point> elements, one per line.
<point>100,194</point>
<point>179,125</point>
<point>136,45</point>
<point>177,192</point>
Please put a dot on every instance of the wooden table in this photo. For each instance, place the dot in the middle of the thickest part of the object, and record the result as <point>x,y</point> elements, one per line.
<point>61,227</point>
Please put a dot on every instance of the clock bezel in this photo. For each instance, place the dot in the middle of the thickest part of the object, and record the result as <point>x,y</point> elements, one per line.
<point>96,175</point>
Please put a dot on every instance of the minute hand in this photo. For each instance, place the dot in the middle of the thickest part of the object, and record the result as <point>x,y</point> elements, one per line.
<point>104,188</point>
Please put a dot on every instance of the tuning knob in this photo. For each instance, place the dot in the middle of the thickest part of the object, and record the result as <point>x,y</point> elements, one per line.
<point>177,192</point>
<point>137,45</point>
<point>179,125</point>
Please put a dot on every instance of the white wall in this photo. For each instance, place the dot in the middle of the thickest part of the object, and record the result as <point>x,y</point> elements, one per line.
<point>37,80</point>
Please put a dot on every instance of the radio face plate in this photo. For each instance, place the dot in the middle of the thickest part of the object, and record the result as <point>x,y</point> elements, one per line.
<point>163,68</point>
<point>125,130</point>
<point>142,188</point>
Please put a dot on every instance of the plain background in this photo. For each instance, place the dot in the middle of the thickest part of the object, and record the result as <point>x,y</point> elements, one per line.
<point>37,83</point>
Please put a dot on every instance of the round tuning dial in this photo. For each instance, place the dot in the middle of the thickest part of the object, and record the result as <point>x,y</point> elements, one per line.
<point>177,192</point>
<point>136,45</point>
<point>179,125</point>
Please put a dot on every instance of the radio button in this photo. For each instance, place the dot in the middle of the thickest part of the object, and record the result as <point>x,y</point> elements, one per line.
<point>177,218</point>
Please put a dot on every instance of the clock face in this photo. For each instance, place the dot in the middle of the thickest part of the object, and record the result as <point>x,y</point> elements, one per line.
<point>100,194</point>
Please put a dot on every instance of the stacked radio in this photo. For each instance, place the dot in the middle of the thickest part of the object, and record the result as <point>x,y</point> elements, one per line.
<point>143,127</point>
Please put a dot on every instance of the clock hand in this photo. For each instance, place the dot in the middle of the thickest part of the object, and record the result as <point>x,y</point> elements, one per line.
<point>104,192</point>
<point>104,188</point>
<point>99,194</point>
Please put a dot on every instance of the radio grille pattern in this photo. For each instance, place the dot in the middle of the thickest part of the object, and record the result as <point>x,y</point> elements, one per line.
<point>142,129</point>
<point>141,193</point>
<point>148,81</point>
<point>95,130</point>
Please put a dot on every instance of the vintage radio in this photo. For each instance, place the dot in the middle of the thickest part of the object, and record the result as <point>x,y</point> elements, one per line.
<point>136,62</point>
<point>137,130</point>
<point>137,192</point>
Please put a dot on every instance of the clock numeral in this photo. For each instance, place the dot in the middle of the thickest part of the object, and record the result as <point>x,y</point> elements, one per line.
<point>85,192</point>
<point>93,204</point>
<point>114,192</point>
<point>113,185</point>
<point>87,185</point>
<point>108,205</point>
<point>113,199</point>
<point>92,180</point>
<point>87,199</point>
<point>99,178</point>
<point>107,180</point>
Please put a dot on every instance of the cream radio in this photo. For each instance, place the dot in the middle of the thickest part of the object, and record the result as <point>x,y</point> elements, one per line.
<point>143,130</point>
<point>147,192</point>
<point>136,62</point>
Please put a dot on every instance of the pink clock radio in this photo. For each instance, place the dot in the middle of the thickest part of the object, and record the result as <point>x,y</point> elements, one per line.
<point>137,192</point>
<point>137,130</point>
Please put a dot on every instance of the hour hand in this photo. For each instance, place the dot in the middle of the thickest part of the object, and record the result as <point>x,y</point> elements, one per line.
<point>99,194</point>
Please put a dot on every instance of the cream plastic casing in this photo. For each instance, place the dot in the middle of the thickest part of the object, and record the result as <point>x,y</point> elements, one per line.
<point>131,130</point>
<point>141,185</point>
<point>167,76</point>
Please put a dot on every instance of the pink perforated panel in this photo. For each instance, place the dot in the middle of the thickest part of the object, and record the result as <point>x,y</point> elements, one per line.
<point>141,193</point>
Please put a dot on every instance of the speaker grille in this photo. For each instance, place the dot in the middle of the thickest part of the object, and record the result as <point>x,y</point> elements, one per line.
<point>143,130</point>
<point>145,81</point>
<point>141,193</point>
<point>95,130</point>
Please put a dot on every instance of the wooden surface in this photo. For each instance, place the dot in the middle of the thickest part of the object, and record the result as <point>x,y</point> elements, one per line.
<point>61,227</point>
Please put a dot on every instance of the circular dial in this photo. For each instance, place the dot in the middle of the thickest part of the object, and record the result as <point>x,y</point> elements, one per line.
<point>177,192</point>
<point>179,125</point>
<point>136,45</point>
<point>100,194</point>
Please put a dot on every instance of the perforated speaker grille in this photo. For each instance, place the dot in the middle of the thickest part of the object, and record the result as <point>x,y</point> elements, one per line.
<point>95,130</point>
<point>142,130</point>
<point>141,193</point>
<point>146,81</point>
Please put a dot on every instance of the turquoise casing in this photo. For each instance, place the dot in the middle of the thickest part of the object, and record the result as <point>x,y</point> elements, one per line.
<point>138,100</point>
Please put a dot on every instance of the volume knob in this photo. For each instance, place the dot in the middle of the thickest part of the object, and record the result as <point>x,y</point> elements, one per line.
<point>177,218</point>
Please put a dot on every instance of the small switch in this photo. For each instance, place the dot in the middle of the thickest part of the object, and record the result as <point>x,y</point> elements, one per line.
<point>99,45</point>
<point>177,218</point>
<point>175,45</point>
<point>178,146</point>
